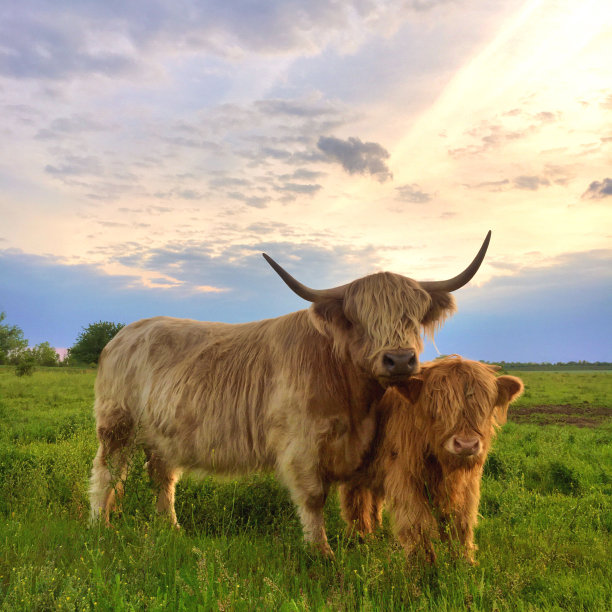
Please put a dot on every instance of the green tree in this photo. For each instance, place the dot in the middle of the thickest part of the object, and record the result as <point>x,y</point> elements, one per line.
<point>45,355</point>
<point>92,340</point>
<point>11,339</point>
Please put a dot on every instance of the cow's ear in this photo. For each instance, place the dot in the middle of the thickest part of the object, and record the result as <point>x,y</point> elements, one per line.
<point>331,311</point>
<point>411,389</point>
<point>442,306</point>
<point>508,389</point>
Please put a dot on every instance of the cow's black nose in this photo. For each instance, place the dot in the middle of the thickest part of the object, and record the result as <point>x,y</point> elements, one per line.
<point>400,363</point>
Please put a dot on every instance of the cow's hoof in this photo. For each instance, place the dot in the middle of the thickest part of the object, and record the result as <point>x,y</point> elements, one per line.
<point>323,548</point>
<point>327,552</point>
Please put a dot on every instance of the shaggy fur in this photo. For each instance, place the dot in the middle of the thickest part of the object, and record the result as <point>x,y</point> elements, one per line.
<point>427,458</point>
<point>296,394</point>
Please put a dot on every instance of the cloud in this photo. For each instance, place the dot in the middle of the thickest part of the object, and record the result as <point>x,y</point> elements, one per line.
<point>547,117</point>
<point>271,228</point>
<point>76,165</point>
<point>295,108</point>
<point>275,153</point>
<point>528,182</point>
<point>228,181</point>
<point>494,185</point>
<point>503,129</point>
<point>599,189</point>
<point>193,143</point>
<point>76,124</point>
<point>62,39</point>
<point>357,157</point>
<point>412,193</point>
<point>607,102</point>
<point>560,174</point>
<point>105,156</point>
<point>236,265</point>
<point>490,136</point>
<point>253,201</point>
<point>54,42</point>
<point>189,194</point>
<point>532,183</point>
<point>299,188</point>
<point>304,175</point>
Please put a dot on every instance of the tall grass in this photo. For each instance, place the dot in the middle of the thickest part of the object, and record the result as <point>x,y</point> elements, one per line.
<point>544,535</point>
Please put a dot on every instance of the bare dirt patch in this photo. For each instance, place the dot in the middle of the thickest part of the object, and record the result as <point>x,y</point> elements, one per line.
<point>581,415</point>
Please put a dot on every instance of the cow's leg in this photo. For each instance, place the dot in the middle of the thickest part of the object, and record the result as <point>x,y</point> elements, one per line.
<point>413,520</point>
<point>101,494</point>
<point>378,502</point>
<point>106,484</point>
<point>107,479</point>
<point>115,433</point>
<point>310,508</point>
<point>309,492</point>
<point>416,527</point>
<point>165,479</point>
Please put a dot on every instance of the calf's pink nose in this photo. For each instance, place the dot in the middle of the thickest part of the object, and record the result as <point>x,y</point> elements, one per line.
<point>466,446</point>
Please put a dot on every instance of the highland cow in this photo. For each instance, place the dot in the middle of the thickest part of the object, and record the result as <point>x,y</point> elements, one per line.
<point>433,436</point>
<point>296,394</point>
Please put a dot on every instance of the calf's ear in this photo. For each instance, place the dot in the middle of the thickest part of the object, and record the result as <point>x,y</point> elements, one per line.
<point>508,389</point>
<point>411,389</point>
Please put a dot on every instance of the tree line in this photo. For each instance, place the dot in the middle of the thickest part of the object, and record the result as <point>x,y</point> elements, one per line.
<point>559,365</point>
<point>15,349</point>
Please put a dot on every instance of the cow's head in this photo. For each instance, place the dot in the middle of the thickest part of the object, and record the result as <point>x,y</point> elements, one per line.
<point>459,403</point>
<point>378,320</point>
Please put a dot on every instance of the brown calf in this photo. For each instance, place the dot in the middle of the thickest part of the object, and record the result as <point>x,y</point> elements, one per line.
<point>429,452</point>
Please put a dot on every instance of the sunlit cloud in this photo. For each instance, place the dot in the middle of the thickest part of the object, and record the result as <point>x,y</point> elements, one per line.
<point>599,189</point>
<point>413,194</point>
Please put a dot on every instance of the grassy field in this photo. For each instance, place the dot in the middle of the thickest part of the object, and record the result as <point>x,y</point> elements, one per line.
<point>544,535</point>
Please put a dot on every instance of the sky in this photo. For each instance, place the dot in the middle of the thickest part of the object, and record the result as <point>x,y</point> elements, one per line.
<point>150,151</point>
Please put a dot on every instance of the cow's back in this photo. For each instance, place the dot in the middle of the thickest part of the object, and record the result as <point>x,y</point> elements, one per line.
<point>197,392</point>
<point>144,351</point>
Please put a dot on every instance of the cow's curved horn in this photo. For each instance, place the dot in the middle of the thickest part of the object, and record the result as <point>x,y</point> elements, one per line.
<point>306,293</point>
<point>452,284</point>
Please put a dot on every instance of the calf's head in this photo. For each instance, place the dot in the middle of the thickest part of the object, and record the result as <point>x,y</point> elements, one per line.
<point>378,320</point>
<point>459,403</point>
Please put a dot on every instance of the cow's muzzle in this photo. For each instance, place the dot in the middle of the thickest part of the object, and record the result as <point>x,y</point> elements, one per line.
<point>400,364</point>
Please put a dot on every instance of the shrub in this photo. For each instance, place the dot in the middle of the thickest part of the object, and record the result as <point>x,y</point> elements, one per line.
<point>564,479</point>
<point>25,366</point>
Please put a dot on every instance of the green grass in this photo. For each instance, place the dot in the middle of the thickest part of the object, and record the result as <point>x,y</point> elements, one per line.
<point>576,388</point>
<point>544,536</point>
